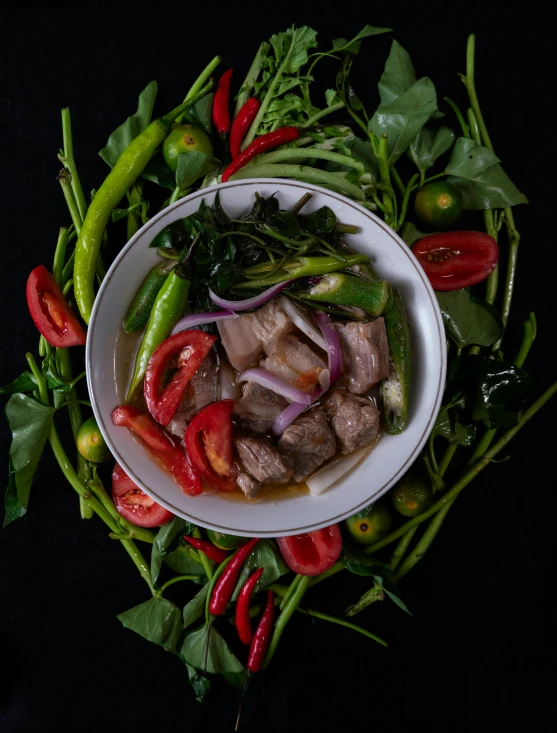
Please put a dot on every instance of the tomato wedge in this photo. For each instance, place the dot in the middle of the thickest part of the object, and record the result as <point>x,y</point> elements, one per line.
<point>188,350</point>
<point>50,312</point>
<point>134,504</point>
<point>209,444</point>
<point>312,553</point>
<point>454,260</point>
<point>161,446</point>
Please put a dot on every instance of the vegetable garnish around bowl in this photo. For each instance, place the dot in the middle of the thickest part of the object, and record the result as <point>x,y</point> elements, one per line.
<point>306,355</point>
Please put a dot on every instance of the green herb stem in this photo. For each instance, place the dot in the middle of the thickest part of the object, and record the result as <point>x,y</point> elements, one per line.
<point>285,154</point>
<point>207,564</point>
<point>464,127</point>
<point>291,588</point>
<point>285,616</point>
<point>342,622</point>
<point>60,256</point>
<point>406,198</point>
<point>333,570</point>
<point>323,113</point>
<point>65,180</point>
<point>69,162</point>
<point>178,579</point>
<point>198,84</point>
<point>133,220</point>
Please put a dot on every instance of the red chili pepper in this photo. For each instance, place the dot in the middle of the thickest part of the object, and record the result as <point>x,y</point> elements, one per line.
<point>241,125</point>
<point>262,636</point>
<point>243,623</point>
<point>189,348</point>
<point>212,552</point>
<point>260,145</point>
<point>221,115</point>
<point>226,583</point>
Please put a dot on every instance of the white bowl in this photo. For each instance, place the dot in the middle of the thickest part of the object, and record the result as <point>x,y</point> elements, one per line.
<point>392,456</point>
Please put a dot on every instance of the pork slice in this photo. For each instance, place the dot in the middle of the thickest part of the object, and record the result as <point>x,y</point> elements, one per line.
<point>262,460</point>
<point>294,362</point>
<point>259,407</point>
<point>244,338</point>
<point>309,442</point>
<point>248,485</point>
<point>355,420</point>
<point>365,353</point>
<point>201,391</point>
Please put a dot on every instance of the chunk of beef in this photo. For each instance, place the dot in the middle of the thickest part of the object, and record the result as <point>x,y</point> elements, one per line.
<point>293,361</point>
<point>355,420</point>
<point>309,442</point>
<point>259,407</point>
<point>245,337</point>
<point>201,390</point>
<point>365,353</point>
<point>248,485</point>
<point>262,460</point>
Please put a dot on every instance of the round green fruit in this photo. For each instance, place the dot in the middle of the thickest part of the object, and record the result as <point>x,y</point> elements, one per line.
<point>438,204</point>
<point>184,139</point>
<point>91,444</point>
<point>412,496</point>
<point>370,525</point>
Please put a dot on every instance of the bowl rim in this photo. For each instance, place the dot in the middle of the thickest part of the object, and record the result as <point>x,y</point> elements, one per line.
<point>376,220</point>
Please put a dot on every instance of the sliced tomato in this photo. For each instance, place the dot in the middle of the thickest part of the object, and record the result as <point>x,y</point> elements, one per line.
<point>161,446</point>
<point>454,260</point>
<point>186,350</point>
<point>312,553</point>
<point>209,444</point>
<point>50,312</point>
<point>134,504</point>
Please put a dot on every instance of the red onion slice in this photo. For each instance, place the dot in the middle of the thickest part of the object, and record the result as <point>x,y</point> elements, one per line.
<point>255,302</point>
<point>197,319</point>
<point>333,344</point>
<point>271,381</point>
<point>301,320</point>
<point>290,413</point>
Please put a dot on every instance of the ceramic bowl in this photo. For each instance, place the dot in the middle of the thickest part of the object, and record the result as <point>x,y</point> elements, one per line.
<point>108,360</point>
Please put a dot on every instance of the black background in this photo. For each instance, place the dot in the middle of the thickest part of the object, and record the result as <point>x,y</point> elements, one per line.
<point>478,653</point>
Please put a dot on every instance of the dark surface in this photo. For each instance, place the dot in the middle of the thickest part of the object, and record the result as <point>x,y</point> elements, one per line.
<point>478,653</point>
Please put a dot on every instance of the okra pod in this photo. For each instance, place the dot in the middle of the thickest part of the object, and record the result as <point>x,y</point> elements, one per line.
<point>373,297</point>
<point>395,389</point>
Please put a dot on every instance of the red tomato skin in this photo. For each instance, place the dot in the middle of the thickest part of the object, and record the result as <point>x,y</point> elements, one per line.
<point>149,514</point>
<point>163,403</point>
<point>455,260</point>
<point>39,283</point>
<point>313,552</point>
<point>214,426</point>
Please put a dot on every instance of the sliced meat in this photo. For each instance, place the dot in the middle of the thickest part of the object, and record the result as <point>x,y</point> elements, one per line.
<point>259,407</point>
<point>244,338</point>
<point>355,420</point>
<point>365,353</point>
<point>262,460</point>
<point>293,361</point>
<point>249,485</point>
<point>200,392</point>
<point>309,442</point>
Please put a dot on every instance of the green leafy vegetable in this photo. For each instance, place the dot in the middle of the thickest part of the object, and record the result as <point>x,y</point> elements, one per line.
<point>341,45</point>
<point>191,166</point>
<point>411,233</point>
<point>128,130</point>
<point>157,171</point>
<point>13,509</point>
<point>264,555</point>
<point>30,423</point>
<point>467,319</point>
<point>156,620</point>
<point>194,609</point>
<point>24,383</point>
<point>321,221</point>
<point>361,564</point>
<point>398,75</point>
<point>217,652</point>
<point>165,539</point>
<point>448,425</point>
<point>482,182</point>
<point>200,684</point>
<point>200,113</point>
<point>182,563</point>
<point>429,145</point>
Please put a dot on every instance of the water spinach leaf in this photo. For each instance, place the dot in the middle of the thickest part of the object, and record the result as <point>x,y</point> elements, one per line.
<point>164,541</point>
<point>398,75</point>
<point>13,509</point>
<point>448,425</point>
<point>359,563</point>
<point>341,45</point>
<point>467,319</point>
<point>24,383</point>
<point>219,657</point>
<point>156,620</point>
<point>194,609</point>
<point>429,145</point>
<point>264,555</point>
<point>182,563</point>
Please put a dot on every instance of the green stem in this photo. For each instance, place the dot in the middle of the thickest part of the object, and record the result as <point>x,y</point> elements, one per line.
<point>207,564</point>
<point>179,579</point>
<point>278,156</point>
<point>133,222</point>
<point>341,622</point>
<point>299,205</point>
<point>251,77</point>
<point>175,195</point>
<point>60,256</point>
<point>382,157</point>
<point>291,588</point>
<point>284,618</point>
<point>401,548</point>
<point>69,162</point>
<point>323,113</point>
<point>199,83</point>
<point>134,532</point>
<point>65,179</point>
<point>336,568</point>
<point>459,116</point>
<point>447,458</point>
<point>398,181</point>
<point>434,178</point>
<point>471,89</point>
<point>405,200</point>
<point>514,241</point>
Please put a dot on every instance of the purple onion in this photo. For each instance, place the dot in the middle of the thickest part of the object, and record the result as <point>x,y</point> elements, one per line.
<point>197,319</point>
<point>271,381</point>
<point>255,302</point>
<point>333,345</point>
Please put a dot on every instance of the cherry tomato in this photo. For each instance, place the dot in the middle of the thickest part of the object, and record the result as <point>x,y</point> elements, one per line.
<point>312,553</point>
<point>134,504</point>
<point>50,312</point>
<point>209,444</point>
<point>187,350</point>
<point>161,446</point>
<point>454,260</point>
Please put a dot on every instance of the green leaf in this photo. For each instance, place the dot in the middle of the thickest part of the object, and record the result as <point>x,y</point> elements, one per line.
<point>165,539</point>
<point>363,152</point>
<point>182,563</point>
<point>321,221</point>
<point>132,127</point>
<point>341,45</point>
<point>156,620</point>
<point>264,555</point>
<point>191,166</point>
<point>201,113</point>
<point>196,607</point>
<point>200,684</point>
<point>119,214</point>
<point>283,222</point>
<point>410,233</point>
<point>291,47</point>
<point>30,423</point>
<point>158,172</point>
<point>482,182</point>
<point>24,383</point>
<point>449,427</point>
<point>331,97</point>
<point>494,391</point>
<point>404,117</point>
<point>12,508</point>
<point>429,145</point>
<point>468,320</point>
<point>359,563</point>
<point>219,657</point>
<point>398,75</point>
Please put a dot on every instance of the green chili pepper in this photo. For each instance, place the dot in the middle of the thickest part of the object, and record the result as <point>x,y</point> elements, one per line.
<point>123,175</point>
<point>298,267</point>
<point>373,297</point>
<point>395,389</point>
<point>168,307</point>
<point>141,306</point>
